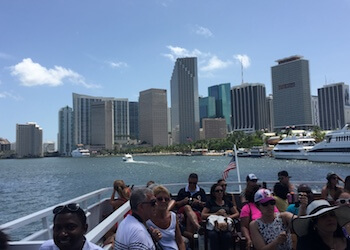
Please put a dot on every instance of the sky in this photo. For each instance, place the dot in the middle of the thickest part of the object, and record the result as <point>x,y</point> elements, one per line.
<point>117,48</point>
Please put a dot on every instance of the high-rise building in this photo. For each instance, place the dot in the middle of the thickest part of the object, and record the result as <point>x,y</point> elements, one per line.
<point>334,106</point>
<point>184,101</point>
<point>65,131</point>
<point>102,130</point>
<point>222,95</point>
<point>214,128</point>
<point>134,120</point>
<point>82,119</point>
<point>153,115</point>
<point>121,120</point>
<point>269,109</point>
<point>249,112</point>
<point>291,93</point>
<point>29,140</point>
<point>207,108</point>
<point>315,114</point>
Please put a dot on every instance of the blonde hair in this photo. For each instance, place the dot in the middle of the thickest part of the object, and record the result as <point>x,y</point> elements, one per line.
<point>160,189</point>
<point>120,187</point>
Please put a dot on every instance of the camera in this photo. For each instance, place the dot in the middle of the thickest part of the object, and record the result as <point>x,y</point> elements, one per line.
<point>190,201</point>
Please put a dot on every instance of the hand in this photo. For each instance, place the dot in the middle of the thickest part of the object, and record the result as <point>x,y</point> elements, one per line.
<point>221,212</point>
<point>249,244</point>
<point>282,237</point>
<point>156,234</point>
<point>304,201</point>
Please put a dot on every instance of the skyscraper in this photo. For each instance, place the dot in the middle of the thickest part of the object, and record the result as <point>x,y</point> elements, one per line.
<point>291,93</point>
<point>334,106</point>
<point>134,120</point>
<point>222,95</point>
<point>102,130</point>
<point>269,109</point>
<point>249,112</point>
<point>65,131</point>
<point>82,119</point>
<point>207,108</point>
<point>153,117</point>
<point>121,120</point>
<point>184,101</point>
<point>29,140</point>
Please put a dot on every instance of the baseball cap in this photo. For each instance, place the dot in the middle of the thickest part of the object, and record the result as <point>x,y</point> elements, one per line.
<point>263,195</point>
<point>330,175</point>
<point>251,177</point>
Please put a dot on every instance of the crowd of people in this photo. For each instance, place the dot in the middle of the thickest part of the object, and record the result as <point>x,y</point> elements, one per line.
<point>286,217</point>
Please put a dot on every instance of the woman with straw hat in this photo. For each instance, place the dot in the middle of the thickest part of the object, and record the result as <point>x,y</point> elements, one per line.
<point>321,227</point>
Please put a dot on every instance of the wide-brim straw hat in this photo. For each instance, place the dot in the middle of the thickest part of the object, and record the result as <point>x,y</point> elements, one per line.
<point>315,209</point>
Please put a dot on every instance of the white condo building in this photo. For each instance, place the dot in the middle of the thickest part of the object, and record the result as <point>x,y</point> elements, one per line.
<point>29,140</point>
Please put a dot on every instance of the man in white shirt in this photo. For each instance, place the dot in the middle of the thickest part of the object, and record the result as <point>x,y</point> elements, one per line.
<point>132,232</point>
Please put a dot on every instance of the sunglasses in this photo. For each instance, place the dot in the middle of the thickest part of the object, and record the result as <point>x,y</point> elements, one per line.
<point>343,201</point>
<point>151,202</point>
<point>219,191</point>
<point>193,183</point>
<point>73,207</point>
<point>166,199</point>
<point>224,185</point>
<point>271,202</point>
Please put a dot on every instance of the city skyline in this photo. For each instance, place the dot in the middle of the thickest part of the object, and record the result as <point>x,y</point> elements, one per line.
<point>118,49</point>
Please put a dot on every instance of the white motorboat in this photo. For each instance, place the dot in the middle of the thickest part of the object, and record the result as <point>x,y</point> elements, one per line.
<point>80,152</point>
<point>293,148</point>
<point>335,147</point>
<point>128,158</point>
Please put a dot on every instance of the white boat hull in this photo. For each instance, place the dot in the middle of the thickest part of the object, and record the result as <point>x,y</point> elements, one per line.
<point>290,156</point>
<point>329,157</point>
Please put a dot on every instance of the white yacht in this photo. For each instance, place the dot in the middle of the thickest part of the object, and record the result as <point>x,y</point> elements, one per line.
<point>80,152</point>
<point>128,158</point>
<point>293,148</point>
<point>335,147</point>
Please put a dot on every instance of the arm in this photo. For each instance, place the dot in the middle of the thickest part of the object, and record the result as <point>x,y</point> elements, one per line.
<point>205,213</point>
<point>182,202</point>
<point>324,193</point>
<point>233,213</point>
<point>245,231</point>
<point>178,237</point>
<point>171,205</point>
<point>259,242</point>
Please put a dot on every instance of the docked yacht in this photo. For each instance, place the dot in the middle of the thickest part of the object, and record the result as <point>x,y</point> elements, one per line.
<point>293,148</point>
<point>335,147</point>
<point>128,158</point>
<point>80,152</point>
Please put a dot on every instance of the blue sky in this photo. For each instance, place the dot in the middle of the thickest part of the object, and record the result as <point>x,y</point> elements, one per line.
<point>117,48</point>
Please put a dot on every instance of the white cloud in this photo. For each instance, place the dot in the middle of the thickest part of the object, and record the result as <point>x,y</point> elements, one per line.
<point>202,31</point>
<point>33,74</point>
<point>176,52</point>
<point>243,59</point>
<point>6,94</point>
<point>117,64</point>
<point>215,63</point>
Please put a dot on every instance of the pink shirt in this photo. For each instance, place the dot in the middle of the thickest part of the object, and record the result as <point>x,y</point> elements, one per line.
<point>250,209</point>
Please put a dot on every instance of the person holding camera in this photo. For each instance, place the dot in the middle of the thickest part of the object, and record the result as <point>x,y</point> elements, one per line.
<point>190,202</point>
<point>305,195</point>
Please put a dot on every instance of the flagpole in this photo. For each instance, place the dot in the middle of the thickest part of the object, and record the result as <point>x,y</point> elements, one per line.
<point>237,165</point>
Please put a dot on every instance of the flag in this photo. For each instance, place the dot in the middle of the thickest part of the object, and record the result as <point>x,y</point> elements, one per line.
<point>230,166</point>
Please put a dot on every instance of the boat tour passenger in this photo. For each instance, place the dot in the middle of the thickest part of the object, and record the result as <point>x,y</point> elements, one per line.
<point>132,232</point>
<point>249,213</point>
<point>321,228</point>
<point>284,179</point>
<point>221,213</point>
<point>280,195</point>
<point>190,202</point>
<point>166,221</point>
<point>123,192</point>
<point>227,196</point>
<point>69,227</point>
<point>271,231</point>
<point>305,195</point>
<point>251,181</point>
<point>331,189</point>
<point>344,200</point>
